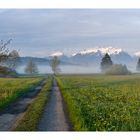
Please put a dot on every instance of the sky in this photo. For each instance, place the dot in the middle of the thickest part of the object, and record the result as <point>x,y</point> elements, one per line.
<point>39,32</point>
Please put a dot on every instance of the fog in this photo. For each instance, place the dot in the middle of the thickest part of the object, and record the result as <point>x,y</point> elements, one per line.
<point>70,69</point>
<point>64,69</point>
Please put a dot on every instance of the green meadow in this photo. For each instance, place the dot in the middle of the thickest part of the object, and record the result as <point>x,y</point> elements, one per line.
<point>102,103</point>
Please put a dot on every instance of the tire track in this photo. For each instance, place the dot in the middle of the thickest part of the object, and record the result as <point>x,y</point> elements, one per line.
<point>10,115</point>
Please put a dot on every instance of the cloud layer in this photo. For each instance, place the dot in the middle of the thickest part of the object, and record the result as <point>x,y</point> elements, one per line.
<point>40,32</point>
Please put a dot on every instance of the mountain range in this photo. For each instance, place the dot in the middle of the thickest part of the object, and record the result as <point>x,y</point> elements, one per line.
<point>89,57</point>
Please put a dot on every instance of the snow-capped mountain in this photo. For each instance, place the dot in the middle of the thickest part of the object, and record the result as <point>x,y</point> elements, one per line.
<point>93,56</point>
<point>63,58</point>
<point>109,50</point>
<point>57,53</point>
<point>137,54</point>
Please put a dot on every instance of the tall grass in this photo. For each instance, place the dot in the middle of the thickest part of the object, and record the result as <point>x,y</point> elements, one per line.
<point>13,88</point>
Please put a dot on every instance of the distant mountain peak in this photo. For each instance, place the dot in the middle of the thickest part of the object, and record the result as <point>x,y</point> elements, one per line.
<point>137,54</point>
<point>57,53</point>
<point>109,50</point>
<point>86,51</point>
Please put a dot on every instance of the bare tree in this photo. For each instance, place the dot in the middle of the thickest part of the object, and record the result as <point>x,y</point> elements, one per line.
<point>31,68</point>
<point>55,62</point>
<point>4,50</point>
<point>13,59</point>
<point>8,59</point>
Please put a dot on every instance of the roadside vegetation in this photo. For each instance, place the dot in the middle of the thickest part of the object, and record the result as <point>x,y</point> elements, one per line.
<point>102,102</point>
<point>9,60</point>
<point>32,116</point>
<point>13,88</point>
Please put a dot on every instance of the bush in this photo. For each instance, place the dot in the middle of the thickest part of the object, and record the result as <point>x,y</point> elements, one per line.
<point>118,69</point>
<point>7,72</point>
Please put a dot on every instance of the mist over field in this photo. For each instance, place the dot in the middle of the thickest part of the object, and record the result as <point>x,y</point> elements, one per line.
<point>84,61</point>
<point>64,69</point>
<point>70,69</point>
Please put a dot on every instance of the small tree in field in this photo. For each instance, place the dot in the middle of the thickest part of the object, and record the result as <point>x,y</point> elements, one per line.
<point>31,68</point>
<point>55,62</point>
<point>106,63</point>
<point>138,65</point>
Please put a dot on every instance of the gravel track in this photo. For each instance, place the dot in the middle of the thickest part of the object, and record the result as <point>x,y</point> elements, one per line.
<point>54,117</point>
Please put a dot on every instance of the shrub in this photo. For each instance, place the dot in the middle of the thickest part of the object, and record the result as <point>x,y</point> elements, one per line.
<point>7,72</point>
<point>118,69</point>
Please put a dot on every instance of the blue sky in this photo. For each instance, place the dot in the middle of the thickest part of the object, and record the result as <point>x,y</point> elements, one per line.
<point>41,32</point>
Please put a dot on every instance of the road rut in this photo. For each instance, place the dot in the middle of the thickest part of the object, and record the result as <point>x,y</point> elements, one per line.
<point>11,114</point>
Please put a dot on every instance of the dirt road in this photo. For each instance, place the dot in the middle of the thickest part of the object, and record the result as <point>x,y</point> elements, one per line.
<point>54,117</point>
<point>11,114</point>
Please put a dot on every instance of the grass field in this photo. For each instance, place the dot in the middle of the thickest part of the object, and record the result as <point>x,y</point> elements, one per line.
<point>102,103</point>
<point>12,88</point>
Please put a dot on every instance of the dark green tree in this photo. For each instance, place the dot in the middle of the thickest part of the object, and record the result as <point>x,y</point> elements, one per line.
<point>138,65</point>
<point>106,63</point>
